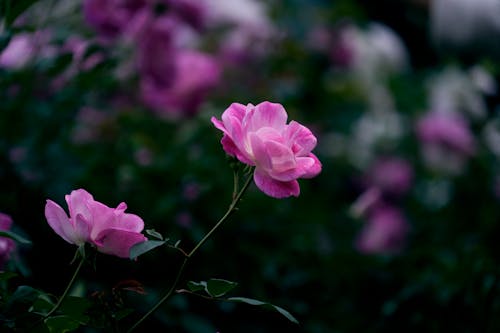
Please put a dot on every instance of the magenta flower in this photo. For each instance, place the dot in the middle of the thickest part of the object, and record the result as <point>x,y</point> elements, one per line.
<point>391,175</point>
<point>281,153</point>
<point>7,245</point>
<point>110,230</point>
<point>447,141</point>
<point>111,17</point>
<point>447,129</point>
<point>185,85</point>
<point>384,233</point>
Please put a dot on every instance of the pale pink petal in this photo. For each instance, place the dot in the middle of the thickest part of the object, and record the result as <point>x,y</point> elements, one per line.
<point>117,242</point>
<point>275,188</point>
<point>219,124</point>
<point>103,217</point>
<point>266,114</point>
<point>258,150</point>
<point>130,222</point>
<point>59,221</point>
<point>300,138</point>
<point>236,110</point>
<point>122,206</point>
<point>302,165</point>
<point>315,169</point>
<point>231,149</point>
<point>282,158</point>
<point>81,232</point>
<point>78,203</point>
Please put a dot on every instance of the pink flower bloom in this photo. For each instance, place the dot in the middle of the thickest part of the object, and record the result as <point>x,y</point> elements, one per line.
<point>447,141</point>
<point>7,245</point>
<point>391,175</point>
<point>110,230</point>
<point>111,17</point>
<point>446,129</point>
<point>281,153</point>
<point>18,52</point>
<point>192,75</point>
<point>384,232</point>
<point>155,57</point>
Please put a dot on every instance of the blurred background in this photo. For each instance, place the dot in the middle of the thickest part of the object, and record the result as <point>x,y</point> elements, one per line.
<point>397,234</point>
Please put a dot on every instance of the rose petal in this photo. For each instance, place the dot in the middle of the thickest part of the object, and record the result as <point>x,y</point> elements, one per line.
<point>59,221</point>
<point>275,188</point>
<point>300,138</point>
<point>265,114</point>
<point>117,242</point>
<point>77,202</point>
<point>301,168</point>
<point>313,170</point>
<point>231,149</point>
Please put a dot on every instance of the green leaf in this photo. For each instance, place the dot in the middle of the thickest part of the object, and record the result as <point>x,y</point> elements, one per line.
<point>23,297</point>
<point>122,313</point>
<point>196,286</point>
<point>16,237</point>
<point>141,248</point>
<point>5,276</point>
<point>61,324</point>
<point>154,233</point>
<point>75,308</point>
<point>42,305</point>
<point>219,287</point>
<point>255,302</point>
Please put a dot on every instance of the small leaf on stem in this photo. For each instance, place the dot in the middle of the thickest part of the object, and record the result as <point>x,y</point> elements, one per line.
<point>143,247</point>
<point>154,233</point>
<point>196,286</point>
<point>219,287</point>
<point>250,301</point>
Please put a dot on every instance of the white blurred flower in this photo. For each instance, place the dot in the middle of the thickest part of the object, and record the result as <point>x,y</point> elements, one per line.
<point>376,51</point>
<point>456,91</point>
<point>470,26</point>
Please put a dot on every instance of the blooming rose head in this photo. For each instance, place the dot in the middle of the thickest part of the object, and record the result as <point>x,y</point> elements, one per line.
<point>384,232</point>
<point>281,153</point>
<point>7,245</point>
<point>110,230</point>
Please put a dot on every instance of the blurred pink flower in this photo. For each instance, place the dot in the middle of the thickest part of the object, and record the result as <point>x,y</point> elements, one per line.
<point>110,230</point>
<point>192,75</point>
<point>447,141</point>
<point>7,245</point>
<point>193,12</point>
<point>155,53</point>
<point>447,129</point>
<point>391,175</point>
<point>110,17</point>
<point>18,52</point>
<point>384,232</point>
<point>281,152</point>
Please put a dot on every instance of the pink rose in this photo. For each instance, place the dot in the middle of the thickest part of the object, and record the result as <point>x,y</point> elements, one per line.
<point>281,153</point>
<point>110,230</point>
